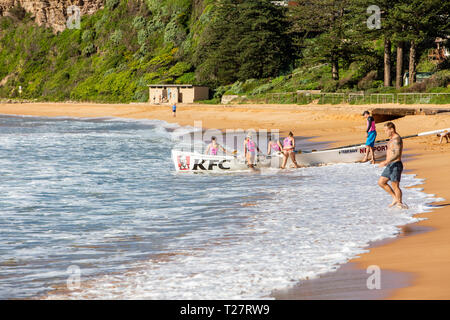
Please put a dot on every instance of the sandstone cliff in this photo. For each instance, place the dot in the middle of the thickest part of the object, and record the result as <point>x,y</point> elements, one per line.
<point>51,13</point>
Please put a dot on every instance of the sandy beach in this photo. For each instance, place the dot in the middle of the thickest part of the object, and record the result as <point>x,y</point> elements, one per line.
<point>423,256</point>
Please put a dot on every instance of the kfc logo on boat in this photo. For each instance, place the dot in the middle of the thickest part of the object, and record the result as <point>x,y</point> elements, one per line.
<point>183,162</point>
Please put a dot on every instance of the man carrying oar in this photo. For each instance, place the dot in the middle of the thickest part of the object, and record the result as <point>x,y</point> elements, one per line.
<point>394,166</point>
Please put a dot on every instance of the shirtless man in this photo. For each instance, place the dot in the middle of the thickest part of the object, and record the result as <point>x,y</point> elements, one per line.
<point>394,166</point>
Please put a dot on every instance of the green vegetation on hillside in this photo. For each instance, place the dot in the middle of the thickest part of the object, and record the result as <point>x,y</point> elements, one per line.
<point>113,57</point>
<point>240,47</point>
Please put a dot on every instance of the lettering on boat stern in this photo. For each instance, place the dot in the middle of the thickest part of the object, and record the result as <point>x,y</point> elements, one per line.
<point>348,151</point>
<point>376,148</point>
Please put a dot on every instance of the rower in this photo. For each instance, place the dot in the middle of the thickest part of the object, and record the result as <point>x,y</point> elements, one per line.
<point>371,136</point>
<point>394,166</point>
<point>273,145</point>
<point>443,135</point>
<point>250,149</point>
<point>213,147</point>
<point>288,150</point>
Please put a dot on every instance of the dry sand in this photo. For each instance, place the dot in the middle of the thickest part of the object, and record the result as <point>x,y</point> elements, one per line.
<point>426,256</point>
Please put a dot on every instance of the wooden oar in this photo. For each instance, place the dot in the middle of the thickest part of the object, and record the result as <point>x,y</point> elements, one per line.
<point>421,134</point>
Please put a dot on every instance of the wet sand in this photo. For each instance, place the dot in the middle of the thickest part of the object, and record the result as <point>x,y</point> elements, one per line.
<point>415,263</point>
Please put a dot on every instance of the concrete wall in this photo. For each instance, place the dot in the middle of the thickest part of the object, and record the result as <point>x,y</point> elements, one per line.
<point>155,94</point>
<point>201,93</point>
<point>173,94</point>
<point>187,95</point>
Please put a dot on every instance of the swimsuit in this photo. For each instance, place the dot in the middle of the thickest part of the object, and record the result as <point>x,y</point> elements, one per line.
<point>275,147</point>
<point>370,124</point>
<point>250,146</point>
<point>287,144</point>
<point>251,150</point>
<point>371,132</point>
<point>371,136</point>
<point>214,150</point>
<point>393,171</point>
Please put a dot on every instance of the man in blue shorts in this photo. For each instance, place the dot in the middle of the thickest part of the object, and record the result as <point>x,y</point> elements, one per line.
<point>371,136</point>
<point>174,110</point>
<point>394,166</point>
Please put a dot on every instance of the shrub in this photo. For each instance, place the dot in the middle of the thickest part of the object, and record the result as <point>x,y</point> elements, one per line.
<point>116,37</point>
<point>263,88</point>
<point>112,4</point>
<point>187,78</point>
<point>87,36</point>
<point>89,50</point>
<point>368,81</point>
<point>235,88</point>
<point>330,86</point>
<point>139,22</point>
<point>440,79</point>
<point>142,36</point>
<point>174,33</point>
<point>17,12</point>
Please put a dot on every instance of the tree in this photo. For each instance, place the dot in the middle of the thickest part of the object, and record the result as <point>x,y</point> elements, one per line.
<point>326,31</point>
<point>418,21</point>
<point>399,65</point>
<point>386,31</point>
<point>244,39</point>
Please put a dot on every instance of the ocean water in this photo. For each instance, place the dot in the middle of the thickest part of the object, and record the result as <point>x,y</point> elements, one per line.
<point>101,196</point>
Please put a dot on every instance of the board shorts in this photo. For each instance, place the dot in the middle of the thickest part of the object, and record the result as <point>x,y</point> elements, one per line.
<point>393,171</point>
<point>371,136</point>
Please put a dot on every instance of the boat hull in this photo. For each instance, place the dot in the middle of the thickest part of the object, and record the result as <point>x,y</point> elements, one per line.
<point>197,162</point>
<point>343,155</point>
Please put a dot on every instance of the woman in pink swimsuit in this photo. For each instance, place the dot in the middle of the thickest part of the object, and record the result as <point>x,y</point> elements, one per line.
<point>273,145</point>
<point>288,150</point>
<point>213,147</point>
<point>250,149</point>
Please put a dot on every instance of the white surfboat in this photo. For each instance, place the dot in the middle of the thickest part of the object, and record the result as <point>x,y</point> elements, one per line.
<point>339,155</point>
<point>349,154</point>
<point>197,162</point>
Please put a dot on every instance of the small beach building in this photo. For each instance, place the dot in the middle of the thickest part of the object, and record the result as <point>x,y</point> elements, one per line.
<point>420,77</point>
<point>174,93</point>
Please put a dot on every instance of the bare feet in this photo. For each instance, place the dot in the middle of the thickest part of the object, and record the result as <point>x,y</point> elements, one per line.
<point>394,202</point>
<point>402,206</point>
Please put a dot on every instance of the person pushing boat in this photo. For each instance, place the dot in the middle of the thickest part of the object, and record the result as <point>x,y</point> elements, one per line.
<point>250,149</point>
<point>394,166</point>
<point>288,150</point>
<point>371,136</point>
<point>443,135</point>
<point>274,146</point>
<point>214,147</point>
